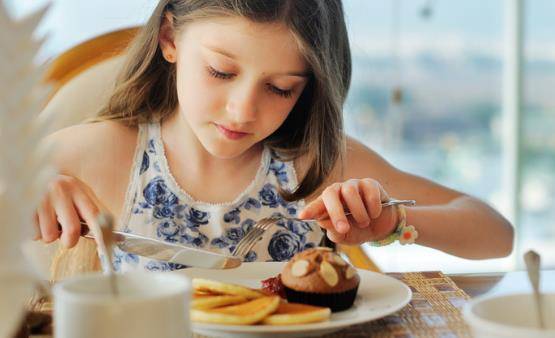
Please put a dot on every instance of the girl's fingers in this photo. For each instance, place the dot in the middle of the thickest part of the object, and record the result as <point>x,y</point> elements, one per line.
<point>68,218</point>
<point>68,202</point>
<point>362,197</point>
<point>335,237</point>
<point>354,236</point>
<point>315,209</point>
<point>351,196</point>
<point>326,224</point>
<point>373,197</point>
<point>383,194</point>
<point>48,222</point>
<point>88,210</point>
<point>331,198</point>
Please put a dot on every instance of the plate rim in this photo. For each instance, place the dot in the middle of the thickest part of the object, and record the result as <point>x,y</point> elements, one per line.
<point>321,326</point>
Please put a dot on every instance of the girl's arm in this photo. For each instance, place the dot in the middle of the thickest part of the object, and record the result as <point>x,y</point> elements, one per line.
<point>444,218</point>
<point>93,162</point>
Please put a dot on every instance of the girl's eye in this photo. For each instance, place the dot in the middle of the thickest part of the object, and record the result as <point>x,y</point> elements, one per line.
<point>219,75</point>
<point>281,92</point>
<point>225,76</point>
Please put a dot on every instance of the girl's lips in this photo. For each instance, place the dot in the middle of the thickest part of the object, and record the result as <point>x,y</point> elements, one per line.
<point>231,134</point>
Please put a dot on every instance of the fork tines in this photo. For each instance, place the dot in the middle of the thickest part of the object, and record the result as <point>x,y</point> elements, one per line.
<point>252,236</point>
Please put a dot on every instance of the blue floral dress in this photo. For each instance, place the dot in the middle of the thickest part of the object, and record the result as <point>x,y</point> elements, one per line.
<point>155,206</point>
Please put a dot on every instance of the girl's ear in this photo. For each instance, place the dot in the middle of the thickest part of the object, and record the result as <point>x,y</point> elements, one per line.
<point>166,38</point>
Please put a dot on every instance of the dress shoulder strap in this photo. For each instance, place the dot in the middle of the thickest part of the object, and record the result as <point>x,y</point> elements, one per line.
<point>138,163</point>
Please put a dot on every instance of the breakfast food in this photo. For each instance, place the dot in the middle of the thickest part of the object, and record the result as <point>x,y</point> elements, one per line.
<point>231,304</point>
<point>294,313</point>
<point>320,277</point>
<point>83,258</point>
<point>312,285</point>
<point>209,301</point>
<point>215,287</point>
<point>247,313</point>
<point>274,286</point>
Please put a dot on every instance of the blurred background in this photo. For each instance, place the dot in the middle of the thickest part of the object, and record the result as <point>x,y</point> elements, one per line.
<point>439,89</point>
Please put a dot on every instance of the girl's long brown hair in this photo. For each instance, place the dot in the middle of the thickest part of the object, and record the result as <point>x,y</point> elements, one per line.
<point>146,87</point>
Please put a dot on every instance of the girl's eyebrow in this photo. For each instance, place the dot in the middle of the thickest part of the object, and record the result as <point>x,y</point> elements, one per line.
<point>220,51</point>
<point>225,53</point>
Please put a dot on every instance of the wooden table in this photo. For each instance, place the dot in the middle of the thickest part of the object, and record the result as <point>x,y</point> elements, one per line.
<point>477,284</point>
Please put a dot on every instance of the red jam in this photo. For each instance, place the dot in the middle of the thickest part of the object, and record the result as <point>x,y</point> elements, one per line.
<point>274,286</point>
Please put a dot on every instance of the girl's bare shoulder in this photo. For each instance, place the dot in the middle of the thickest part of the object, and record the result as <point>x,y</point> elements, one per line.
<point>92,145</point>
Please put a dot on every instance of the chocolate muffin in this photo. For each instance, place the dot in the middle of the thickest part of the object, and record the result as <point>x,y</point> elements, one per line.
<point>320,277</point>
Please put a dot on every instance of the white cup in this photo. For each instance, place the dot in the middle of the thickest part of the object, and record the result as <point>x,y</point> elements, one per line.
<point>508,316</point>
<point>148,305</point>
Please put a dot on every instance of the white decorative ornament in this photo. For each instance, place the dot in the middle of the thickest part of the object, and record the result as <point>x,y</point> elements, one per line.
<point>23,158</point>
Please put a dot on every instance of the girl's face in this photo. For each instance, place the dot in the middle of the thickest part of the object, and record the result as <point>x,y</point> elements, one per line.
<point>236,80</point>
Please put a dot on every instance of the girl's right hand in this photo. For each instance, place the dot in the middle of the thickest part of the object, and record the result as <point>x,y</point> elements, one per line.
<point>66,202</point>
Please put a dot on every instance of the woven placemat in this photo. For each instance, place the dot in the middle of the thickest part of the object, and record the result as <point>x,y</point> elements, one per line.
<point>434,311</point>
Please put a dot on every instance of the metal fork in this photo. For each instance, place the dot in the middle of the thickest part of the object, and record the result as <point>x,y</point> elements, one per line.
<point>253,236</point>
<point>255,233</point>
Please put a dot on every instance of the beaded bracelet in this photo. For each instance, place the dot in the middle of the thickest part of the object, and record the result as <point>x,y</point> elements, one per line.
<point>405,234</point>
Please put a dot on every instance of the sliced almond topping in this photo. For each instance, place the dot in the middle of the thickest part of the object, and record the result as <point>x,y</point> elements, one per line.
<point>300,268</point>
<point>328,273</point>
<point>338,260</point>
<point>350,272</point>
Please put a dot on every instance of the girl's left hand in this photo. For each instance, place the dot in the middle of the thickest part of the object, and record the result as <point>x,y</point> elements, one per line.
<point>363,199</point>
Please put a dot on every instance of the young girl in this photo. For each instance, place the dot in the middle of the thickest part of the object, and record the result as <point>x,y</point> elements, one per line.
<point>229,111</point>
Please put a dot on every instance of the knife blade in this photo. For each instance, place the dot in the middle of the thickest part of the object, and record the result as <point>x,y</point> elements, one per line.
<point>172,252</point>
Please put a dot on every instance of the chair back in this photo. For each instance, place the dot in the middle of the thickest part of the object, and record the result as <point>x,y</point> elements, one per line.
<point>83,77</point>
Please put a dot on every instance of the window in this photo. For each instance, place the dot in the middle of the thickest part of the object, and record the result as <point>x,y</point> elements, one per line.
<point>538,140</point>
<point>447,59</point>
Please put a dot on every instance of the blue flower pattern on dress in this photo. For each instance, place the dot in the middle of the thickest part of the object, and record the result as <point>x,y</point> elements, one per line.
<point>232,236</point>
<point>270,197</point>
<point>196,218</point>
<point>120,256</point>
<point>278,168</point>
<point>163,266</point>
<point>160,209</point>
<point>251,256</point>
<point>291,239</point>
<point>233,216</point>
<point>252,203</point>
<point>145,163</point>
<point>169,231</point>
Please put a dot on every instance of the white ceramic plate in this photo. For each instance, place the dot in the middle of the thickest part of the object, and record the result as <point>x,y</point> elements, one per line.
<point>378,296</point>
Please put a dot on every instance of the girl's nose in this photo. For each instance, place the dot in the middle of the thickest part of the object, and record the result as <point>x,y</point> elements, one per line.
<point>242,105</point>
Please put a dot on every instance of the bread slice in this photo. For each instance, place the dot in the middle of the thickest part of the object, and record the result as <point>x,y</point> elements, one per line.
<point>211,286</point>
<point>247,313</point>
<point>83,258</point>
<point>295,313</point>
<point>209,301</point>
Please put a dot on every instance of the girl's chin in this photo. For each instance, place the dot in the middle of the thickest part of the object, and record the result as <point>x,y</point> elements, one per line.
<point>226,151</point>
